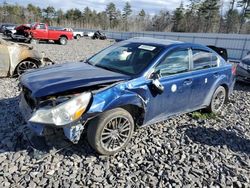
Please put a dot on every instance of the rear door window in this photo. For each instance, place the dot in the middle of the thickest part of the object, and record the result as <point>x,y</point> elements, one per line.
<point>203,59</point>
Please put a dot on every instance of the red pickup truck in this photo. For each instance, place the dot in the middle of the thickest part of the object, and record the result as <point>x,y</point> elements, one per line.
<point>41,31</point>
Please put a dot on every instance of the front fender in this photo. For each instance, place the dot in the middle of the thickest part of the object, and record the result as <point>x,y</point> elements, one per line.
<point>114,97</point>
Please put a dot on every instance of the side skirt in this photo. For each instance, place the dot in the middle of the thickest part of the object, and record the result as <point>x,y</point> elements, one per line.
<point>170,116</point>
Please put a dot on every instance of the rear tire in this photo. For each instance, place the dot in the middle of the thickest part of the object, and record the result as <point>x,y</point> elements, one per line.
<point>111,131</point>
<point>218,100</point>
<point>63,41</point>
<point>24,66</point>
<point>78,36</point>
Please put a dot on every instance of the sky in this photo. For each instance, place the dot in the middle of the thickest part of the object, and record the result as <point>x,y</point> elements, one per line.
<point>150,6</point>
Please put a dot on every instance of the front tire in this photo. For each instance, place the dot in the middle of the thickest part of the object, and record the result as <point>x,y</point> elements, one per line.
<point>111,131</point>
<point>34,41</point>
<point>218,100</point>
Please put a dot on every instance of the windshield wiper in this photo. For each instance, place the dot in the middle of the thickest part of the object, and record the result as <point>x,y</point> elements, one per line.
<point>106,68</point>
<point>88,62</point>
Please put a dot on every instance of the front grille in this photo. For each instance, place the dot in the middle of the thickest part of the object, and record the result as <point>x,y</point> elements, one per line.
<point>27,95</point>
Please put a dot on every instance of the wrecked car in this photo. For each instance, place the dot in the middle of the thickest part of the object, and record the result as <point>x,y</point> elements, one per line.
<point>130,84</point>
<point>15,59</point>
<point>99,35</point>
<point>36,32</point>
<point>243,69</point>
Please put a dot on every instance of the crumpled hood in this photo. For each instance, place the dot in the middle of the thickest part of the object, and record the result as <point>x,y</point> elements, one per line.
<point>64,77</point>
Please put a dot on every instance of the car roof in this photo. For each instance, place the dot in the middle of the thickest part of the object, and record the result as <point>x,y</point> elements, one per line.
<point>8,24</point>
<point>149,40</point>
<point>166,43</point>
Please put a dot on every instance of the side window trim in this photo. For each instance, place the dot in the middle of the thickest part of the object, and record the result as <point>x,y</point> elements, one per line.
<point>192,60</point>
<point>175,50</point>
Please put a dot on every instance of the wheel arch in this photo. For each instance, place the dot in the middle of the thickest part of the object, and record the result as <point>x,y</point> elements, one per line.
<point>129,101</point>
<point>222,81</point>
<point>63,36</point>
<point>227,90</point>
<point>137,112</point>
<point>37,61</point>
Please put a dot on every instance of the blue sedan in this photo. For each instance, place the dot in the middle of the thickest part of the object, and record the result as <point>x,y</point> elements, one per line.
<point>132,83</point>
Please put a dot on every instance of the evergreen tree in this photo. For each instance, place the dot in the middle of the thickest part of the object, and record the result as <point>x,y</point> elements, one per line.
<point>178,25</point>
<point>209,12</point>
<point>127,11</point>
<point>111,12</point>
<point>142,13</point>
<point>245,5</point>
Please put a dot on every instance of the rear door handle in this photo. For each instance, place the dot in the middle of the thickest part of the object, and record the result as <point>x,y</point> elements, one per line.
<point>188,81</point>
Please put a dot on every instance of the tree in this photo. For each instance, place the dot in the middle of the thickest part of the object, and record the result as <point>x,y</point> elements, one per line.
<point>49,14</point>
<point>111,12</point>
<point>59,16</point>
<point>197,16</point>
<point>127,11</point>
<point>209,14</point>
<point>190,16</point>
<point>232,18</point>
<point>161,21</point>
<point>142,13</point>
<point>245,5</point>
<point>87,14</point>
<point>178,19</point>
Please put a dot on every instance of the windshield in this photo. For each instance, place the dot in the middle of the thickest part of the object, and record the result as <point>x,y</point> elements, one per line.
<point>128,58</point>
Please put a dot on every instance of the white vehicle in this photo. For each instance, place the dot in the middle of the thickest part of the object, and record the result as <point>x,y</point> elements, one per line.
<point>76,34</point>
<point>88,33</point>
<point>9,30</point>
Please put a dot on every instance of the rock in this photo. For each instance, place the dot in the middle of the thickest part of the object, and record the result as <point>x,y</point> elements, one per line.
<point>51,172</point>
<point>12,169</point>
<point>33,174</point>
<point>2,158</point>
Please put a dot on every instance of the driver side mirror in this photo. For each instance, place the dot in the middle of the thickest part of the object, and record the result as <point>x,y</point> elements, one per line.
<point>156,84</point>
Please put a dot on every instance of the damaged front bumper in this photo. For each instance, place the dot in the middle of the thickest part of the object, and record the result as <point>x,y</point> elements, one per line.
<point>72,132</point>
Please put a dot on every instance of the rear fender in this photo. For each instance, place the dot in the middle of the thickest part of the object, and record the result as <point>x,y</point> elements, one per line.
<point>221,81</point>
<point>21,53</point>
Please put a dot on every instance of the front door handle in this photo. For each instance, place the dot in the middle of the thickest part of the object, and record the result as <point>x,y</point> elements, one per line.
<point>188,82</point>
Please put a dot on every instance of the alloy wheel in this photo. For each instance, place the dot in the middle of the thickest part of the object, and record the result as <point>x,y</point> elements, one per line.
<point>24,66</point>
<point>115,133</point>
<point>218,100</point>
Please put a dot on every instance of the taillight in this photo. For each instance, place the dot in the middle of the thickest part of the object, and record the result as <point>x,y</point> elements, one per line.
<point>234,69</point>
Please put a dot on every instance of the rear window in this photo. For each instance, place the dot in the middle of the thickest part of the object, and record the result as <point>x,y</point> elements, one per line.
<point>203,59</point>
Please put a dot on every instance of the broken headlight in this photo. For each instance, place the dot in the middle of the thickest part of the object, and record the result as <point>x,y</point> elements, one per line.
<point>64,113</point>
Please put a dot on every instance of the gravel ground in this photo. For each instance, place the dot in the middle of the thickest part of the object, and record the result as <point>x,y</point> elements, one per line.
<point>181,151</point>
